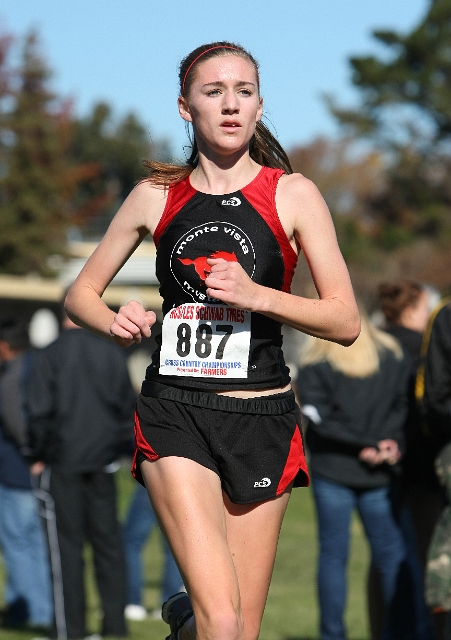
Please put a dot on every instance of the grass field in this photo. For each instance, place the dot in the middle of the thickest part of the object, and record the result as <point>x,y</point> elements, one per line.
<point>291,612</point>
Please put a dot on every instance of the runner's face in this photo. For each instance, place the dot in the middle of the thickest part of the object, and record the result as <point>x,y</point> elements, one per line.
<point>223,103</point>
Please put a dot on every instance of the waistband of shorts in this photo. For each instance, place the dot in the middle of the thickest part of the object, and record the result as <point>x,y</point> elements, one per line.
<point>276,404</point>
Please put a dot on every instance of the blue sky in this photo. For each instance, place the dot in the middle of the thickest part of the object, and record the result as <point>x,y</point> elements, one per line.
<point>127,52</point>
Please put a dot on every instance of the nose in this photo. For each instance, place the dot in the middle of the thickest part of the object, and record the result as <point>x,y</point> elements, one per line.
<point>230,102</point>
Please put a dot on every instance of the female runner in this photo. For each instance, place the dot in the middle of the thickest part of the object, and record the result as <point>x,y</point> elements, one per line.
<point>218,442</point>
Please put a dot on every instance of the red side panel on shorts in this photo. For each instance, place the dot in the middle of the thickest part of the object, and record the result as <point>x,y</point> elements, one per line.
<point>295,464</point>
<point>141,444</point>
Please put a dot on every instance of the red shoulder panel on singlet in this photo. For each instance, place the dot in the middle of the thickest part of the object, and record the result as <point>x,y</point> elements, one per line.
<point>178,196</point>
<point>261,194</point>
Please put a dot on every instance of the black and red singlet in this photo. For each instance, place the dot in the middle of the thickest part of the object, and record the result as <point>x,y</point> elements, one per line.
<point>206,344</point>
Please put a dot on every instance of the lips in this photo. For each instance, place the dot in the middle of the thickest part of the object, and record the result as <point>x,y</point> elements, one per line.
<point>230,124</point>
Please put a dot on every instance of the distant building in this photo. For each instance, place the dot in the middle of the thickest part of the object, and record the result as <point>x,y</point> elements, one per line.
<point>26,295</point>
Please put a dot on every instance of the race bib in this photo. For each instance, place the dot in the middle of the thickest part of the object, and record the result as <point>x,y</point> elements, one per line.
<point>208,340</point>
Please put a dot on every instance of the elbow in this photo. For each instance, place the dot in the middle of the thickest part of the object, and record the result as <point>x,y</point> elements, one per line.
<point>351,332</point>
<point>68,306</point>
<point>67,303</point>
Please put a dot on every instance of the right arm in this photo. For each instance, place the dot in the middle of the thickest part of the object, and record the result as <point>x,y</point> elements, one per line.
<point>138,216</point>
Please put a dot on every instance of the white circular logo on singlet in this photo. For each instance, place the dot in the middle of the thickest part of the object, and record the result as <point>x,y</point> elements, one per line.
<point>206,338</point>
<point>188,261</point>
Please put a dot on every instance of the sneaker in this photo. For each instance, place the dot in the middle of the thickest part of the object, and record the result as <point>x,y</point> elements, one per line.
<point>175,612</point>
<point>135,612</point>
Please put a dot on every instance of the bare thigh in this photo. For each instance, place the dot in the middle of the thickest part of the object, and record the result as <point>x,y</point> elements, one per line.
<point>252,535</point>
<point>225,551</point>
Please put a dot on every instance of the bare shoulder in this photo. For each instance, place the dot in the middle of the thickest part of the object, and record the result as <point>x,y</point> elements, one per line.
<point>297,186</point>
<point>145,205</point>
<point>148,191</point>
<point>299,203</point>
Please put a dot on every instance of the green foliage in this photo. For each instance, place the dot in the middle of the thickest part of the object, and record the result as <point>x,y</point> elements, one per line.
<point>416,72</point>
<point>33,182</point>
<point>114,152</point>
<point>405,110</point>
<point>353,243</point>
<point>57,171</point>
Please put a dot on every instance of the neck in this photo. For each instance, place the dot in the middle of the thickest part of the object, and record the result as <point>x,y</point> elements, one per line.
<point>219,175</point>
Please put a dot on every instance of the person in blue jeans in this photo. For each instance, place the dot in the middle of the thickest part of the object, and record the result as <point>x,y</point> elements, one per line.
<point>139,524</point>
<point>28,594</point>
<point>355,402</point>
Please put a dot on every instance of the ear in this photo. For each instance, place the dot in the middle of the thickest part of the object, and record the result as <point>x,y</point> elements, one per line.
<point>259,110</point>
<point>184,109</point>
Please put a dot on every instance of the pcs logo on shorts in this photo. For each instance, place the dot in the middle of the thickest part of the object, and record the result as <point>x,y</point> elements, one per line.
<point>262,484</point>
<point>209,240</point>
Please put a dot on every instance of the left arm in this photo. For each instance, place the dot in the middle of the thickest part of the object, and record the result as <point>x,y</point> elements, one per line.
<point>308,224</point>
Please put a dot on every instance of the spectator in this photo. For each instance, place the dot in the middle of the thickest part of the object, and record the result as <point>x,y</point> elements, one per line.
<point>81,404</point>
<point>28,589</point>
<point>406,307</point>
<point>355,401</point>
<point>140,522</point>
<point>437,405</point>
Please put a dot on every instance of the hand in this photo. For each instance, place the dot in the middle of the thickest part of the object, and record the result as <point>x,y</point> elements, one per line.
<point>131,324</point>
<point>37,468</point>
<point>228,282</point>
<point>370,455</point>
<point>387,451</point>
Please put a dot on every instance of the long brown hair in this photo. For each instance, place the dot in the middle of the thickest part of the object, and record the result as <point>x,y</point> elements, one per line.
<point>398,296</point>
<point>264,148</point>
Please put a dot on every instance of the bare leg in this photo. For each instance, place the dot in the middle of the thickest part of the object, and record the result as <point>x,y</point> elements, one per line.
<point>252,535</point>
<point>225,551</point>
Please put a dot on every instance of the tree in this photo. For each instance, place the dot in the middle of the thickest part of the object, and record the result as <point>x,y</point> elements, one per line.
<point>405,109</point>
<point>36,181</point>
<point>116,149</point>
<point>57,171</point>
<point>348,179</point>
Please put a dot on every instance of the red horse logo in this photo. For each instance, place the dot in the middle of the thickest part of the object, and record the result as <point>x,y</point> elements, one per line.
<point>200,263</point>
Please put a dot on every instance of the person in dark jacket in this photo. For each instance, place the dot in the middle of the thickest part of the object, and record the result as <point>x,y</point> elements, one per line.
<point>355,402</point>
<point>437,378</point>
<point>406,306</point>
<point>437,406</point>
<point>27,595</point>
<point>81,403</point>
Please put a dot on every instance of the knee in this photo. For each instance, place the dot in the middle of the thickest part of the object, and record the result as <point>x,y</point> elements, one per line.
<point>333,554</point>
<point>223,624</point>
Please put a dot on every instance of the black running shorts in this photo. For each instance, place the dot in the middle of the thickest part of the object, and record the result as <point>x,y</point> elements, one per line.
<point>254,445</point>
